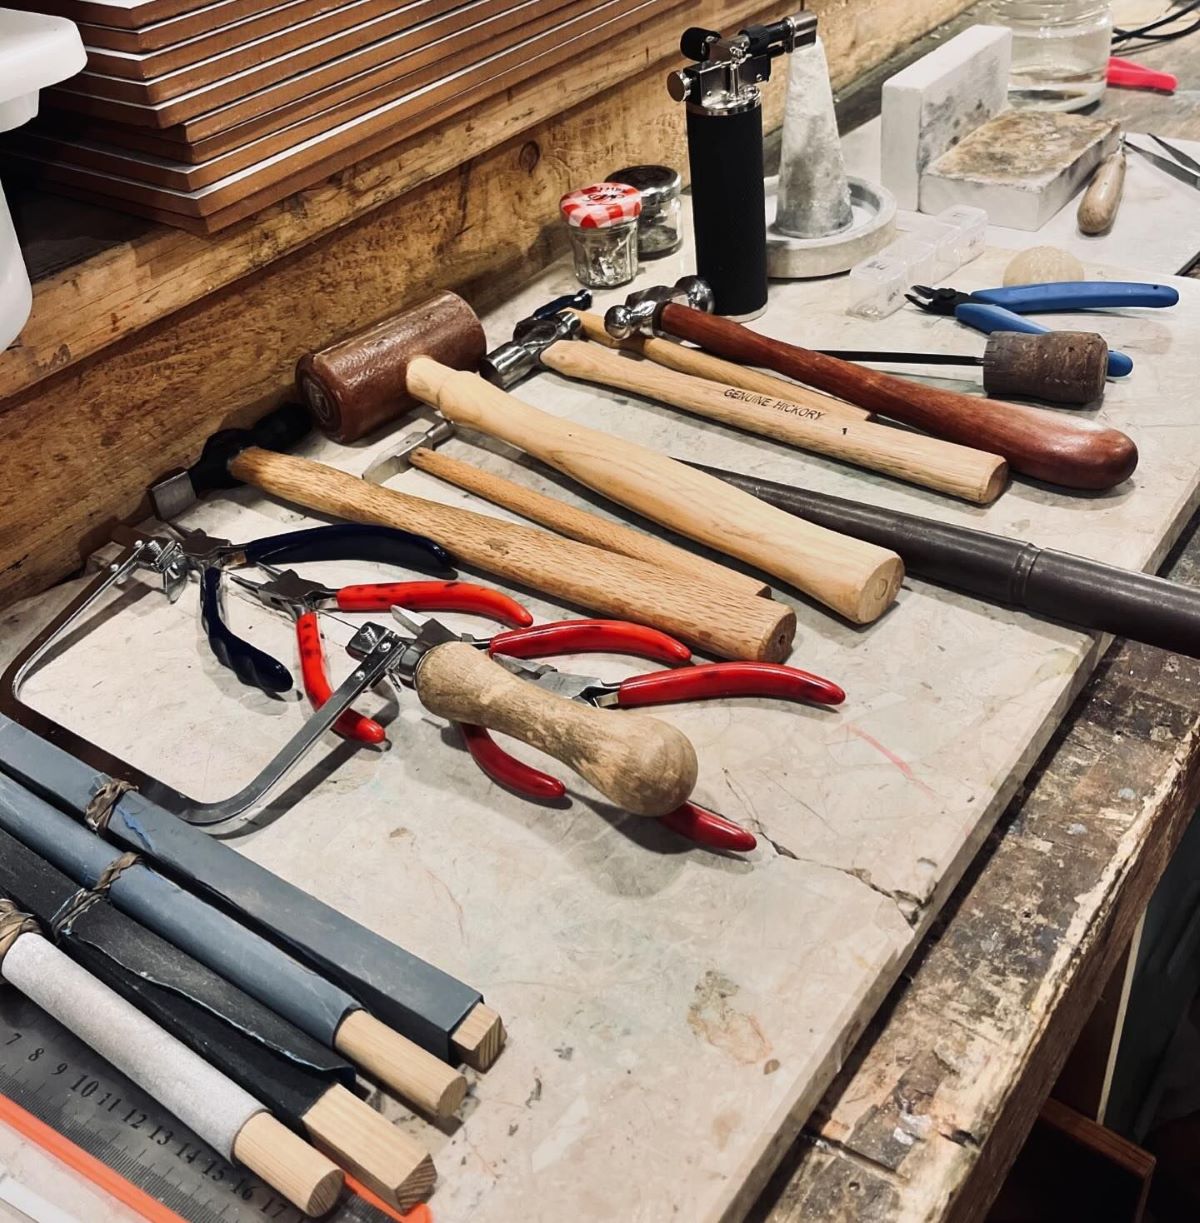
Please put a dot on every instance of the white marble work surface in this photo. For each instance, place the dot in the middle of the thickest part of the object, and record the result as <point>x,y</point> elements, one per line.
<point>673,1015</point>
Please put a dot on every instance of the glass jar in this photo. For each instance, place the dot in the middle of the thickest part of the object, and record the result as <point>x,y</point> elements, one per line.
<point>1060,51</point>
<point>660,227</point>
<point>603,223</point>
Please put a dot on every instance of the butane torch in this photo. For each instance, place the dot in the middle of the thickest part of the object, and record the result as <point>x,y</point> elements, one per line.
<point>725,152</point>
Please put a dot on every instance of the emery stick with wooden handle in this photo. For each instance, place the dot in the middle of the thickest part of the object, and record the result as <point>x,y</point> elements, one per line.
<point>643,765</point>
<point>1047,446</point>
<point>578,524</point>
<point>712,618</point>
<point>931,462</point>
<point>858,582</point>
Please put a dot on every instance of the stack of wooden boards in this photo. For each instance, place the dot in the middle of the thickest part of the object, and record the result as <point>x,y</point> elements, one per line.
<point>201,115</point>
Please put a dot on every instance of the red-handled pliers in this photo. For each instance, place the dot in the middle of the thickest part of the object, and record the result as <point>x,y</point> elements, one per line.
<point>687,683</point>
<point>302,598</point>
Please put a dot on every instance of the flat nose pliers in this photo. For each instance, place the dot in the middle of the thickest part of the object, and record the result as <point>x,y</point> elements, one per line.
<point>1003,309</point>
<point>680,682</point>
<point>302,599</point>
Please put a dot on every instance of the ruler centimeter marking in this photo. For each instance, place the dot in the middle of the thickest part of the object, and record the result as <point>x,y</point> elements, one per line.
<point>53,1075</point>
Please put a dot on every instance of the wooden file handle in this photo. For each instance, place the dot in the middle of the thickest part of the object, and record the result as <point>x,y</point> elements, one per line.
<point>287,1163</point>
<point>711,618</point>
<point>579,524</point>
<point>1047,446</point>
<point>931,462</point>
<point>858,582</point>
<point>675,355</point>
<point>643,765</point>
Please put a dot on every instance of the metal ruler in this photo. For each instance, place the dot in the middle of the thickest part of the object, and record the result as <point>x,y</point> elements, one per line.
<point>61,1081</point>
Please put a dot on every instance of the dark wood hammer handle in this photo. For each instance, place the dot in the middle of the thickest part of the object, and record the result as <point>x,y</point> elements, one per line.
<point>1069,452</point>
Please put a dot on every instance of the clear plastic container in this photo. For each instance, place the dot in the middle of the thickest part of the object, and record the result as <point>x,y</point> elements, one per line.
<point>970,226</point>
<point>1060,51</point>
<point>877,286</point>
<point>603,223</point>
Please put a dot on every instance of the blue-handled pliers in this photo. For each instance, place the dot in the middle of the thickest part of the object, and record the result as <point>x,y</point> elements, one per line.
<point>1003,309</point>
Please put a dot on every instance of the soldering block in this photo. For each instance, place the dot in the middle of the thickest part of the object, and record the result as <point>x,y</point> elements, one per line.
<point>1021,167</point>
<point>932,104</point>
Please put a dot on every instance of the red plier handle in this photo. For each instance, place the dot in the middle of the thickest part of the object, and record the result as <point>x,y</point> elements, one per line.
<point>590,637</point>
<point>1130,75</point>
<point>718,679</point>
<point>315,677</point>
<point>689,820</point>
<point>434,596</point>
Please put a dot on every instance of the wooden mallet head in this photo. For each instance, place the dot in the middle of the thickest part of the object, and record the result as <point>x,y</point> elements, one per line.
<point>360,383</point>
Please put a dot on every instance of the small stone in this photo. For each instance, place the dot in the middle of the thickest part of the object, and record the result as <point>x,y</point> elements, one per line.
<point>1042,265</point>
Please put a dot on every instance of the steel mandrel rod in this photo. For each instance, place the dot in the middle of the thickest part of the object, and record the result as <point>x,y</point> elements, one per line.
<point>1070,589</point>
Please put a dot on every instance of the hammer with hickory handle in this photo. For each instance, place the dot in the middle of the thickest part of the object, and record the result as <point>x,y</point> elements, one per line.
<point>422,354</point>
<point>1070,453</point>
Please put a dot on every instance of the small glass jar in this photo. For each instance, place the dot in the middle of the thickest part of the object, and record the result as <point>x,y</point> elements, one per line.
<point>603,222</point>
<point>1060,51</point>
<point>660,227</point>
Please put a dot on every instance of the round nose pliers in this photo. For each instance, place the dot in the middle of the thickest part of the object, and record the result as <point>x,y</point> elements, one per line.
<point>703,681</point>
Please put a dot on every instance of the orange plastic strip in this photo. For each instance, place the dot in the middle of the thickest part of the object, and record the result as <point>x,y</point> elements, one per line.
<point>88,1166</point>
<point>419,1214</point>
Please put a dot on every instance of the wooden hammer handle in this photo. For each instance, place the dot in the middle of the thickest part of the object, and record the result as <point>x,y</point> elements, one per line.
<point>579,524</point>
<point>930,462</point>
<point>1072,453</point>
<point>643,765</point>
<point>674,355</point>
<point>712,618</point>
<point>859,582</point>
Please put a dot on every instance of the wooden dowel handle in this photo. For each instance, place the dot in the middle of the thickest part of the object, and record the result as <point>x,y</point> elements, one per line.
<point>673,355</point>
<point>1069,452</point>
<point>858,581</point>
<point>479,1039</point>
<point>641,764</point>
<point>579,524</point>
<point>288,1164</point>
<point>414,1074</point>
<point>390,1163</point>
<point>930,462</point>
<point>711,618</point>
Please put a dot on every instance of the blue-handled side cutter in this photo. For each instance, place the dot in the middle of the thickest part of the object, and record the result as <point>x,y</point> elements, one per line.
<point>1003,309</point>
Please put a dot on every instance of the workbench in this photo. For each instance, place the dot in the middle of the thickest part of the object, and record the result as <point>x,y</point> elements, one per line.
<point>938,1096</point>
<point>937,1099</point>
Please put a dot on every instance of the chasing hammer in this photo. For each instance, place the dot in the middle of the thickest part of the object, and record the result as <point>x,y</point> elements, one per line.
<point>1070,453</point>
<point>356,385</point>
<point>1070,589</point>
<point>928,461</point>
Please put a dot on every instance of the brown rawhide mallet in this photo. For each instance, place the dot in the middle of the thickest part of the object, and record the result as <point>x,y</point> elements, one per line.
<point>552,341</point>
<point>1069,452</point>
<point>356,385</point>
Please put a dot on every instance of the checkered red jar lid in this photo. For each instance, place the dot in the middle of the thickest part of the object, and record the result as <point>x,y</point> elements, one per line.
<point>601,205</point>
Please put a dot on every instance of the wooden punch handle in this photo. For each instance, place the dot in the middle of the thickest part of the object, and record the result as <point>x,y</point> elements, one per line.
<point>1047,446</point>
<point>859,582</point>
<point>930,462</point>
<point>385,1159</point>
<point>414,1074</point>
<point>711,618</point>
<point>580,524</point>
<point>643,765</point>
<point>674,355</point>
<point>287,1163</point>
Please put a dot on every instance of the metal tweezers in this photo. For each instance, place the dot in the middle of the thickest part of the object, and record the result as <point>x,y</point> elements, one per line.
<point>1184,168</point>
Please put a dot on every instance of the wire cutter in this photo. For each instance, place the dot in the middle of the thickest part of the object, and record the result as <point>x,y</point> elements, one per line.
<point>1003,309</point>
<point>302,599</point>
<point>681,683</point>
